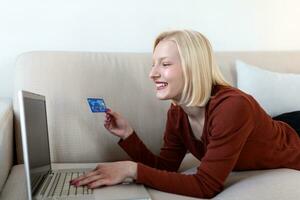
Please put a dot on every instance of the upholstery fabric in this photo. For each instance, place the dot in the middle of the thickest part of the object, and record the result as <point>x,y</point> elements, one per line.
<point>6,140</point>
<point>15,187</point>
<point>68,78</point>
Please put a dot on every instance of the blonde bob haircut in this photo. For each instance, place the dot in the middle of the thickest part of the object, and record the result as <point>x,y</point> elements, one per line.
<point>200,70</point>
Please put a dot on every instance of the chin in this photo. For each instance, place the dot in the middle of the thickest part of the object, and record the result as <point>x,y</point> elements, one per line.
<point>165,95</point>
<point>162,97</point>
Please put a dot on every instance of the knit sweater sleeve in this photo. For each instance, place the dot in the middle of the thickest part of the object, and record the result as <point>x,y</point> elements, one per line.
<point>229,126</point>
<point>171,154</point>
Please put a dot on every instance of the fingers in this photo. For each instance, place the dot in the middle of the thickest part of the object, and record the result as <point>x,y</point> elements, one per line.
<point>89,180</point>
<point>76,180</point>
<point>107,121</point>
<point>92,179</point>
<point>111,113</point>
<point>103,175</point>
<point>108,117</point>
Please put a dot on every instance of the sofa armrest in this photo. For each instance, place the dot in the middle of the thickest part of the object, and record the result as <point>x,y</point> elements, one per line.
<point>6,140</point>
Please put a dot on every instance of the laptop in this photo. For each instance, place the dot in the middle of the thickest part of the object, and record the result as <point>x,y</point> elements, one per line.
<point>42,181</point>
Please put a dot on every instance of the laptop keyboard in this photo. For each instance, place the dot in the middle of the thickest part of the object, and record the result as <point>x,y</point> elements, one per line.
<point>61,185</point>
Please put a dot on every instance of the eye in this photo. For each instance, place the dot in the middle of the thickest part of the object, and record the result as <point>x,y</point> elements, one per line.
<point>165,64</point>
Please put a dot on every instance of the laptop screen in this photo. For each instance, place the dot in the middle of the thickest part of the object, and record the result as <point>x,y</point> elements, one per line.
<point>37,139</point>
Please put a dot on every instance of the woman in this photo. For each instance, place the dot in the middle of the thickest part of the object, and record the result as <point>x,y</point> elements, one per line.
<point>220,125</point>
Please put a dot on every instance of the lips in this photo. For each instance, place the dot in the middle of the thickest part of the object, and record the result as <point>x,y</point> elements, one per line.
<point>161,85</point>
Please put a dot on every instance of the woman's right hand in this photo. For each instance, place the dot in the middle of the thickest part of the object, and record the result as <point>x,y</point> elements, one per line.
<point>117,125</point>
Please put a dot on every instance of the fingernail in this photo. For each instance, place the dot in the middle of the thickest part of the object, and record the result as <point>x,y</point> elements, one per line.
<point>74,183</point>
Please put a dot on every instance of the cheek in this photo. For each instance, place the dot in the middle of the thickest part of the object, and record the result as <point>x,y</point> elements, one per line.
<point>168,74</point>
<point>174,76</point>
<point>177,83</point>
<point>180,81</point>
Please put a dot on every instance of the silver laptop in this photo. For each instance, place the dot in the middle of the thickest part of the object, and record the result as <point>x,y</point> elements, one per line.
<point>43,182</point>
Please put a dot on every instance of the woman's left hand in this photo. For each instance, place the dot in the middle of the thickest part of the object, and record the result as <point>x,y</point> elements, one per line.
<point>107,174</point>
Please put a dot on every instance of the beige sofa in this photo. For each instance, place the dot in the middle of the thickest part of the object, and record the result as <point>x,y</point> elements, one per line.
<point>78,136</point>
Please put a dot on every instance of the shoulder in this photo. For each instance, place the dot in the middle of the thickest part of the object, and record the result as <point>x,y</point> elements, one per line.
<point>227,97</point>
<point>230,111</point>
<point>231,108</point>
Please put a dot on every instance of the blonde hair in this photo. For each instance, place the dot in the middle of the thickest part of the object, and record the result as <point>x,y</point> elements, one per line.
<point>200,70</point>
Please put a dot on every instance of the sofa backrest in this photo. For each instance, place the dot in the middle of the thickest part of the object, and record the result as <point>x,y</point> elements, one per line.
<point>68,78</point>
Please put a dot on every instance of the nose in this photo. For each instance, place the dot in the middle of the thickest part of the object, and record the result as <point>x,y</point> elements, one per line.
<point>154,73</point>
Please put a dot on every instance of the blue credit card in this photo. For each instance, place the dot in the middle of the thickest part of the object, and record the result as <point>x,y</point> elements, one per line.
<point>97,105</point>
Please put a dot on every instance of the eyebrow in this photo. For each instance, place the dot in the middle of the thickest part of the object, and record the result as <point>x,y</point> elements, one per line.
<point>161,58</point>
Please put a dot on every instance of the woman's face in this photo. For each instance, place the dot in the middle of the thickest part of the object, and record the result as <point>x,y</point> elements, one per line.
<point>166,71</point>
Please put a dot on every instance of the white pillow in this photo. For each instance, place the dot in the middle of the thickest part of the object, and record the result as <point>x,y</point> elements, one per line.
<point>276,92</point>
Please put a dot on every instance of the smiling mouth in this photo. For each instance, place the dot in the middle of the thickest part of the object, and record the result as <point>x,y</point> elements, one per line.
<point>161,85</point>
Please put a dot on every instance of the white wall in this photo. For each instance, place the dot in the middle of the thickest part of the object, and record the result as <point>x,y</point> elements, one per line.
<point>131,25</point>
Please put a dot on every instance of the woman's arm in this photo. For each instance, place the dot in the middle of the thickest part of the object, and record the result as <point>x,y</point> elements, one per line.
<point>171,154</point>
<point>231,124</point>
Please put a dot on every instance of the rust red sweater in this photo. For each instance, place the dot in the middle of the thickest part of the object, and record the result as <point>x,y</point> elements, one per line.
<point>237,135</point>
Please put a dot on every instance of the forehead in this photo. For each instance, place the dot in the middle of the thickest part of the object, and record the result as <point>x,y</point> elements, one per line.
<point>165,48</point>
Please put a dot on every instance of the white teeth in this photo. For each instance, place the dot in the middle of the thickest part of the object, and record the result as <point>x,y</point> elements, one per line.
<point>161,85</point>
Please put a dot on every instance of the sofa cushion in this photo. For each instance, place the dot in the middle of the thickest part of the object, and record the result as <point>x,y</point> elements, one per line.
<point>274,184</point>
<point>6,140</point>
<point>15,187</point>
<point>270,184</point>
<point>276,92</point>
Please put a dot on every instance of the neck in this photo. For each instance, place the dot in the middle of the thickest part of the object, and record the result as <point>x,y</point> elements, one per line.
<point>194,111</point>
